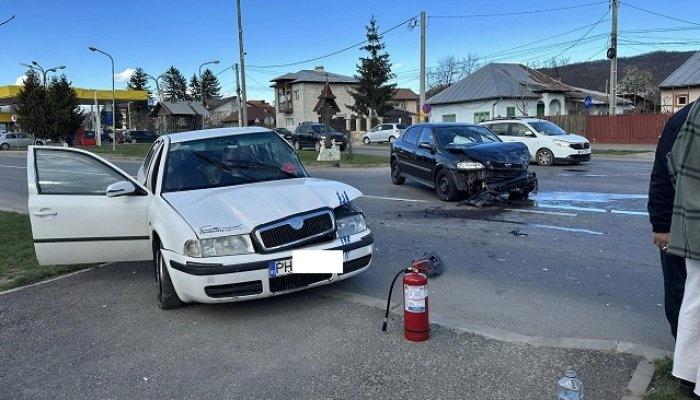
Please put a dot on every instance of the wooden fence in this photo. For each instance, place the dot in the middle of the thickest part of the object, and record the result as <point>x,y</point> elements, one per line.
<point>622,129</point>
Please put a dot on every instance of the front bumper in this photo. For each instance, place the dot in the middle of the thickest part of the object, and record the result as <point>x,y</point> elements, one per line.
<point>245,277</point>
<point>493,181</point>
<point>574,158</point>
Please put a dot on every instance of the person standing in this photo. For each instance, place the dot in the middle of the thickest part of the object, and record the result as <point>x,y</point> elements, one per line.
<point>684,241</point>
<point>660,207</point>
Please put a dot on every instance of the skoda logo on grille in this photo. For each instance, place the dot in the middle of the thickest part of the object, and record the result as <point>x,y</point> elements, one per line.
<point>296,223</point>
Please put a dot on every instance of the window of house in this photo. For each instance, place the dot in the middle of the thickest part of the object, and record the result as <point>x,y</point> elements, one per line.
<point>510,111</point>
<point>289,121</point>
<point>449,118</point>
<point>296,95</point>
<point>481,116</point>
<point>681,100</point>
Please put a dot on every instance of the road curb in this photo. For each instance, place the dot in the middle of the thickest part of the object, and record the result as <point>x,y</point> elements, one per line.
<point>56,278</point>
<point>635,389</point>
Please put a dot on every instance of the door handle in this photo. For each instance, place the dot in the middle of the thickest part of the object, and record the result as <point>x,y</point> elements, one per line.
<point>44,213</point>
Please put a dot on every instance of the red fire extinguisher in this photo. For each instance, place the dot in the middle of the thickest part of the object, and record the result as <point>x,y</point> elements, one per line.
<point>415,303</point>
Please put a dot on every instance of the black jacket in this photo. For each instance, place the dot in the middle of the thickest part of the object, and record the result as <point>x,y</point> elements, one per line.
<point>661,190</point>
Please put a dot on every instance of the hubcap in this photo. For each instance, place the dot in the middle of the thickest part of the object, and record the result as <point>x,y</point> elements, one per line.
<point>544,157</point>
<point>444,185</point>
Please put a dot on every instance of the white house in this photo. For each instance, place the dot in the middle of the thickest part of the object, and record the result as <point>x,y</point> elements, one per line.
<point>511,90</point>
<point>682,87</point>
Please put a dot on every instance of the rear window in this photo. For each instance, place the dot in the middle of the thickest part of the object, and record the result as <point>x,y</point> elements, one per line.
<point>401,126</point>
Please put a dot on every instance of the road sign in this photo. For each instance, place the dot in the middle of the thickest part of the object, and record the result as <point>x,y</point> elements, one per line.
<point>427,108</point>
<point>588,102</point>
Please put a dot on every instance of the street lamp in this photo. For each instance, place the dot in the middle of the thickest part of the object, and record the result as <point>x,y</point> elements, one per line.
<point>35,66</point>
<point>201,83</point>
<point>114,107</point>
<point>155,79</point>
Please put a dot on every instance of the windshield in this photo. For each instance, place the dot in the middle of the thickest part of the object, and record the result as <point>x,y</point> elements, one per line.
<point>229,161</point>
<point>547,128</point>
<point>465,135</point>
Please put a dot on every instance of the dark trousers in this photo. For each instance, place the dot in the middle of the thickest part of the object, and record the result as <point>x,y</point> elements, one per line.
<point>674,285</point>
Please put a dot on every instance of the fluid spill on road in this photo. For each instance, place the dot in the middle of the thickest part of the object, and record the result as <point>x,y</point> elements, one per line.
<point>596,202</point>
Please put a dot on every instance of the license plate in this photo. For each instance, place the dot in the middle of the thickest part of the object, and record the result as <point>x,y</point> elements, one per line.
<point>279,267</point>
<point>582,152</point>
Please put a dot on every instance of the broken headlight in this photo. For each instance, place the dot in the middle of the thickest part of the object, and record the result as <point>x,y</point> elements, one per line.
<point>469,166</point>
<point>219,246</point>
<point>349,220</point>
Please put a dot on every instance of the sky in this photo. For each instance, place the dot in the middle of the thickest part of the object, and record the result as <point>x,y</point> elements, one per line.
<point>155,34</point>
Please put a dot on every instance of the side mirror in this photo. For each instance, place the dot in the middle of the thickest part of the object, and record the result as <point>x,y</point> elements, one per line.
<point>121,188</point>
<point>426,145</point>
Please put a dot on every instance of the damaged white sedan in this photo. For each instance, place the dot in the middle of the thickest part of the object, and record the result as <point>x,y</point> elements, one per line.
<point>218,211</point>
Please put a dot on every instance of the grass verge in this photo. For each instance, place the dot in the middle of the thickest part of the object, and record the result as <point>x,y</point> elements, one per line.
<point>308,158</point>
<point>18,265</point>
<point>613,152</point>
<point>124,149</point>
<point>664,386</point>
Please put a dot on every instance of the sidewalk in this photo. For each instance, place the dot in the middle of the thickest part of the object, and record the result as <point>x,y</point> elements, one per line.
<point>99,334</point>
<point>624,147</point>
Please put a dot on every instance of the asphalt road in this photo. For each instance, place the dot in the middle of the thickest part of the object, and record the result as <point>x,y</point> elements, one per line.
<point>585,269</point>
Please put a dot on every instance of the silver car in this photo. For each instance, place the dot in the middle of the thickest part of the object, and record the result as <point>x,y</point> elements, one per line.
<point>15,139</point>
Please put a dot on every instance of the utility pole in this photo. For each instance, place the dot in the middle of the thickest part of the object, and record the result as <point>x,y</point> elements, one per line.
<point>238,95</point>
<point>422,66</point>
<point>612,55</point>
<point>241,54</point>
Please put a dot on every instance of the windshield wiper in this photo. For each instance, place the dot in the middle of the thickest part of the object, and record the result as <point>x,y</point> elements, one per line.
<point>222,166</point>
<point>259,164</point>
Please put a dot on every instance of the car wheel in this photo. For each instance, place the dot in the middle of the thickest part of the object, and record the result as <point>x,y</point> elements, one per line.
<point>518,195</point>
<point>342,147</point>
<point>545,157</point>
<point>366,140</point>
<point>5,146</point>
<point>167,296</point>
<point>297,145</point>
<point>396,177</point>
<point>132,141</point>
<point>39,143</point>
<point>391,139</point>
<point>445,187</point>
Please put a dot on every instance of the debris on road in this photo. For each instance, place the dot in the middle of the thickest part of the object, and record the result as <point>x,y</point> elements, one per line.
<point>516,232</point>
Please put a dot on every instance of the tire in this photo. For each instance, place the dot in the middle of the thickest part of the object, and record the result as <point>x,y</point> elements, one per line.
<point>544,157</point>
<point>396,177</point>
<point>518,195</point>
<point>5,146</point>
<point>39,143</point>
<point>391,139</point>
<point>445,187</point>
<point>366,141</point>
<point>342,147</point>
<point>167,296</point>
<point>132,141</point>
<point>297,145</point>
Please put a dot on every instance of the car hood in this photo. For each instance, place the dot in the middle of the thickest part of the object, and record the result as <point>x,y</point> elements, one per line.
<point>571,138</point>
<point>503,152</point>
<point>238,209</point>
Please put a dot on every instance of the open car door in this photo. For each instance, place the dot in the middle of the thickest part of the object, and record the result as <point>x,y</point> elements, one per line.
<point>83,209</point>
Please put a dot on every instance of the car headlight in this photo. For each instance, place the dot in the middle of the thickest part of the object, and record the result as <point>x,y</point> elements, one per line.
<point>469,166</point>
<point>219,246</point>
<point>561,143</point>
<point>350,225</point>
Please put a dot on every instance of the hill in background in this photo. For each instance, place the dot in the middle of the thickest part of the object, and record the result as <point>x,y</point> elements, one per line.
<point>594,74</point>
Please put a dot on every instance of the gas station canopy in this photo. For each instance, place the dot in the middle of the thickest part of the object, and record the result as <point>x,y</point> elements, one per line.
<point>9,93</point>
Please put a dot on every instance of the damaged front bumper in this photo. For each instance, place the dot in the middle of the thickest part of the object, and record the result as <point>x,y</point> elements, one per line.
<point>522,181</point>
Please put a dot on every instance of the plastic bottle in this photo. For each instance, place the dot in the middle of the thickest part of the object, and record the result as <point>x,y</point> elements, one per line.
<point>569,387</point>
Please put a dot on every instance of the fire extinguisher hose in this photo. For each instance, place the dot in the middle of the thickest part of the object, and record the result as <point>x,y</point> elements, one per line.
<point>388,300</point>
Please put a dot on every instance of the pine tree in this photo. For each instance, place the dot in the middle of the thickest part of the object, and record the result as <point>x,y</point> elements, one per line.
<point>65,115</point>
<point>31,106</point>
<point>195,88</point>
<point>210,85</point>
<point>139,110</point>
<point>174,85</point>
<point>139,81</point>
<point>373,90</point>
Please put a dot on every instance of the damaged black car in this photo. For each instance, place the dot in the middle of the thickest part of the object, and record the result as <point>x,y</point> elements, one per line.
<point>461,161</point>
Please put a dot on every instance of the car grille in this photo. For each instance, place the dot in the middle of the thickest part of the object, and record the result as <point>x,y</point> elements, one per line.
<point>234,289</point>
<point>580,146</point>
<point>356,264</point>
<point>294,281</point>
<point>283,233</point>
<point>499,171</point>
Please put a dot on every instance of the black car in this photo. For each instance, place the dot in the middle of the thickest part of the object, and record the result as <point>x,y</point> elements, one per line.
<point>309,134</point>
<point>461,159</point>
<point>141,137</point>
<point>285,133</point>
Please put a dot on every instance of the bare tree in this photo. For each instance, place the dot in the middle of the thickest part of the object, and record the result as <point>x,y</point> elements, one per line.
<point>637,81</point>
<point>450,69</point>
<point>555,63</point>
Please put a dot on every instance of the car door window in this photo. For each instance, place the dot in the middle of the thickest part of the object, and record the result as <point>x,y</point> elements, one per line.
<point>411,135</point>
<point>520,130</point>
<point>386,127</point>
<point>67,172</point>
<point>499,129</point>
<point>427,136</point>
<point>153,175</point>
<point>10,136</point>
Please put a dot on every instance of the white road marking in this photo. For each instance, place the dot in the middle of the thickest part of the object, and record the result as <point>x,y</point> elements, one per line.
<point>566,229</point>
<point>561,214</point>
<point>592,209</point>
<point>395,199</point>
<point>12,166</point>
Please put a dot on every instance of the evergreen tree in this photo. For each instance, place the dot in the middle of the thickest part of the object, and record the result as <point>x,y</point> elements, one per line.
<point>210,85</point>
<point>138,81</point>
<point>195,88</point>
<point>65,115</point>
<point>31,106</point>
<point>174,85</point>
<point>373,90</point>
<point>139,110</point>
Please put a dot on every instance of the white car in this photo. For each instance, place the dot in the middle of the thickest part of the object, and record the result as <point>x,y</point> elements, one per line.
<point>383,133</point>
<point>546,142</point>
<point>219,211</point>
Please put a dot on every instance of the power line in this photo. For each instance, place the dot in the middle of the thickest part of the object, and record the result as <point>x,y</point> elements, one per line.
<point>334,52</point>
<point>584,35</point>
<point>518,12</point>
<point>7,20</point>
<point>659,14</point>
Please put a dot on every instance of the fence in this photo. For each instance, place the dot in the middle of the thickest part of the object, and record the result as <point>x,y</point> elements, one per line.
<point>622,129</point>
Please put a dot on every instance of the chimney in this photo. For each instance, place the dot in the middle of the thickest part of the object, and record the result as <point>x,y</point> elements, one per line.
<point>319,68</point>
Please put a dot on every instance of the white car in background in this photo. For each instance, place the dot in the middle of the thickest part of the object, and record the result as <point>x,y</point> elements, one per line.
<point>218,211</point>
<point>546,142</point>
<point>383,133</point>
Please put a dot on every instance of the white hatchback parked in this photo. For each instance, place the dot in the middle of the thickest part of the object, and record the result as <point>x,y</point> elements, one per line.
<point>383,133</point>
<point>546,142</point>
<point>219,211</point>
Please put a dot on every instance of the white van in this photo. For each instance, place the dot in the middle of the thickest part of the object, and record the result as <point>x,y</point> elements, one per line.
<point>546,142</point>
